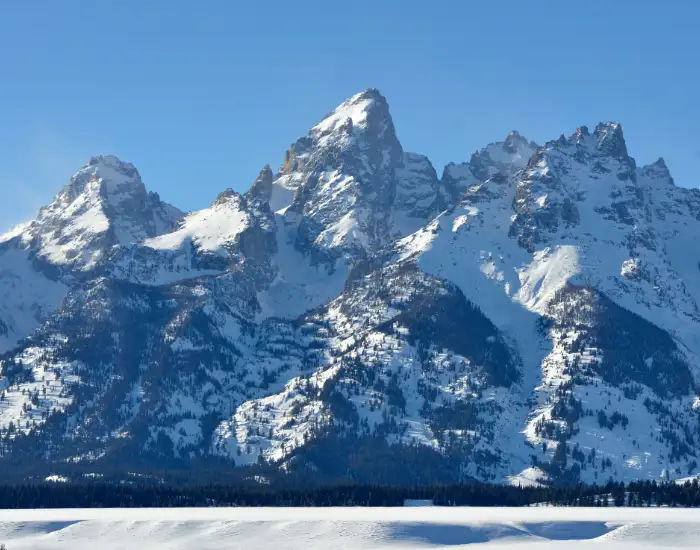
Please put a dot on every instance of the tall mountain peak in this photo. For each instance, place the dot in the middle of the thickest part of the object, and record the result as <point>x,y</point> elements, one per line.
<point>604,148</point>
<point>359,109</point>
<point>106,175</point>
<point>105,203</point>
<point>582,132</point>
<point>343,180</point>
<point>110,160</point>
<point>364,115</point>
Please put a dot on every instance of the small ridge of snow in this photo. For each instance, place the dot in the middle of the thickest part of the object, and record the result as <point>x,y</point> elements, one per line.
<point>15,231</point>
<point>355,109</point>
<point>210,229</point>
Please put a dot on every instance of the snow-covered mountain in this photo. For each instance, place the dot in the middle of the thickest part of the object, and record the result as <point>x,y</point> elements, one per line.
<point>104,205</point>
<point>531,316</point>
<point>349,186</point>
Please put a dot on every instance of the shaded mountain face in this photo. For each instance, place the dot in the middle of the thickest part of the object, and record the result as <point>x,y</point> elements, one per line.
<point>530,316</point>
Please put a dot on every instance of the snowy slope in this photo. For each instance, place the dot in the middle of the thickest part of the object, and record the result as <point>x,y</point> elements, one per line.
<point>209,230</point>
<point>375,528</point>
<point>27,295</point>
<point>580,213</point>
<point>205,242</point>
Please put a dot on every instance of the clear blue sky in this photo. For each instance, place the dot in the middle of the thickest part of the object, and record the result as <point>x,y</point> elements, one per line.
<point>200,95</point>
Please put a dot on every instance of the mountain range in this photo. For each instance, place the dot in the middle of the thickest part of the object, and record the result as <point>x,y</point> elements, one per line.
<point>530,316</point>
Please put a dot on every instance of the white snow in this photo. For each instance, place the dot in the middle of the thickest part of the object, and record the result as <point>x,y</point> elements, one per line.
<point>355,109</point>
<point>25,405</point>
<point>529,477</point>
<point>26,296</point>
<point>634,239</point>
<point>84,220</point>
<point>104,204</point>
<point>299,286</point>
<point>350,528</point>
<point>15,231</point>
<point>210,229</point>
<point>55,478</point>
<point>283,189</point>
<point>645,266</point>
<point>549,271</point>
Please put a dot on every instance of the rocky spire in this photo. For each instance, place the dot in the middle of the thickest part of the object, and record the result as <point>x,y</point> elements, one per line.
<point>610,141</point>
<point>261,188</point>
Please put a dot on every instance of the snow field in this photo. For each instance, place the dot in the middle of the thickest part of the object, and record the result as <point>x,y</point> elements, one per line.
<point>366,528</point>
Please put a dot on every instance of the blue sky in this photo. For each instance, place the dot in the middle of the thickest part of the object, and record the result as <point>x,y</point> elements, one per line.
<point>199,96</point>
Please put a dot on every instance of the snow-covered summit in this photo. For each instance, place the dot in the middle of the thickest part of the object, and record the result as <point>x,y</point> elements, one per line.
<point>658,170</point>
<point>104,204</point>
<point>211,229</point>
<point>366,113</point>
<point>217,229</point>
<point>107,173</point>
<point>348,184</point>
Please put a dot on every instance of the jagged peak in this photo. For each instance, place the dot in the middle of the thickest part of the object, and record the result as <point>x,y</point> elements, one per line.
<point>607,140</point>
<point>105,203</point>
<point>361,122</point>
<point>508,155</point>
<point>110,168</point>
<point>498,157</point>
<point>582,132</point>
<point>515,141</point>
<point>658,170</point>
<point>370,93</point>
<point>112,161</point>
<point>660,163</point>
<point>610,140</point>
<point>261,187</point>
<point>105,174</point>
<point>367,110</point>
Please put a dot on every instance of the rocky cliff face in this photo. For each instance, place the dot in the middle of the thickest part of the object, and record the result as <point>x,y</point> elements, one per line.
<point>530,316</point>
<point>354,188</point>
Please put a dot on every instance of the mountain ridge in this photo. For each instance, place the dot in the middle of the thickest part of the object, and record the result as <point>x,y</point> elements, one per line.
<point>524,318</point>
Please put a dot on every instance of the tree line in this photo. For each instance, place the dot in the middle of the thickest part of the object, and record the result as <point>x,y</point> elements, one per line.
<point>106,495</point>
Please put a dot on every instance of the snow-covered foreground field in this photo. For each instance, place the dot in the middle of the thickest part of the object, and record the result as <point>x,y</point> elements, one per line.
<point>349,528</point>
